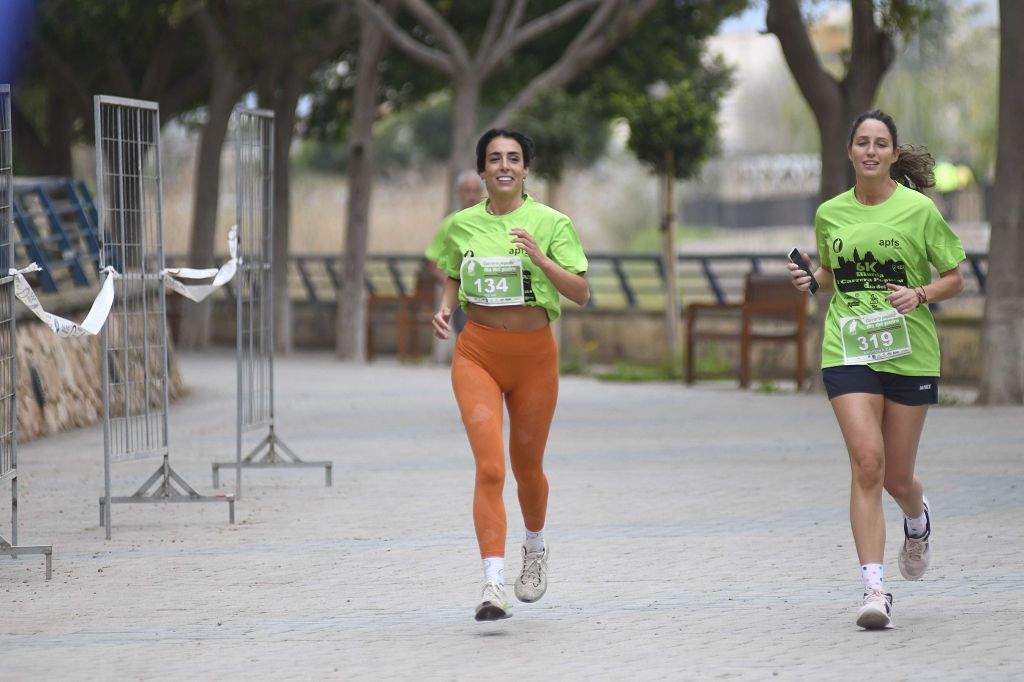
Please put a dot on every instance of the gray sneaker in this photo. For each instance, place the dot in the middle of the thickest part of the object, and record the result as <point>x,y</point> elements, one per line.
<point>494,603</point>
<point>916,553</point>
<point>532,583</point>
<point>876,610</point>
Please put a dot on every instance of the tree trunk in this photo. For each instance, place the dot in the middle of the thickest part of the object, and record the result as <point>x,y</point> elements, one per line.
<point>351,322</point>
<point>1002,347</point>
<point>224,92</point>
<point>60,117</point>
<point>668,235</point>
<point>285,101</point>
<point>554,195</point>
<point>834,104</point>
<point>465,119</point>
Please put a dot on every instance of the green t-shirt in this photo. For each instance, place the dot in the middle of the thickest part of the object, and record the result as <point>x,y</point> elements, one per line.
<point>867,247</point>
<point>474,233</point>
<point>433,252</point>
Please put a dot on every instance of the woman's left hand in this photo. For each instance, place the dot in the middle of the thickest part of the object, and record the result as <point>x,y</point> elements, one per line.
<point>527,243</point>
<point>903,299</point>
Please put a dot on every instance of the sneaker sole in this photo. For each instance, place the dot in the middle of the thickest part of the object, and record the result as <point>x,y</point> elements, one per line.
<point>528,601</point>
<point>491,612</point>
<point>874,620</point>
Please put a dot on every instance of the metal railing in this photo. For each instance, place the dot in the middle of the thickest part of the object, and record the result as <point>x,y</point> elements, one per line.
<point>618,281</point>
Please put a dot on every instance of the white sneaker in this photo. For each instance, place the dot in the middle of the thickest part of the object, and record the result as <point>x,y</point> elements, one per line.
<point>494,603</point>
<point>917,552</point>
<point>876,610</point>
<point>532,583</point>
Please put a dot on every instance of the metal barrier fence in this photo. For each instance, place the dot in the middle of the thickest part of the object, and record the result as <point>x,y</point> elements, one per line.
<point>254,289</point>
<point>8,344</point>
<point>134,339</point>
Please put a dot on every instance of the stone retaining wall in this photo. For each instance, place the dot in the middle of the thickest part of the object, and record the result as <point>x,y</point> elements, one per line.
<point>60,381</point>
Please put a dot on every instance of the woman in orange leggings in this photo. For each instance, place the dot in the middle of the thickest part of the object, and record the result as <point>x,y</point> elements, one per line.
<point>508,260</point>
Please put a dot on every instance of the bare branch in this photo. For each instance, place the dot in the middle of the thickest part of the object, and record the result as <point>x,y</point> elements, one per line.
<point>441,30</point>
<point>818,87</point>
<point>870,48</point>
<point>558,17</point>
<point>514,37</point>
<point>495,20</point>
<point>370,11</point>
<point>585,49</point>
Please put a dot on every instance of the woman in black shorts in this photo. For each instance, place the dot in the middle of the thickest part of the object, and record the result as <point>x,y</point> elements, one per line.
<point>877,243</point>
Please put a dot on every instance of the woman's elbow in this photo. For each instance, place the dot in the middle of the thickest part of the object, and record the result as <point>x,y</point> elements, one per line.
<point>584,297</point>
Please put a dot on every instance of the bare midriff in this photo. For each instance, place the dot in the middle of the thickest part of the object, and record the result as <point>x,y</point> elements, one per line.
<point>516,318</point>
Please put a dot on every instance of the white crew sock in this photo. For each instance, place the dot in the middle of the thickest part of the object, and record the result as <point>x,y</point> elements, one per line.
<point>917,527</point>
<point>494,569</point>
<point>534,541</point>
<point>872,574</point>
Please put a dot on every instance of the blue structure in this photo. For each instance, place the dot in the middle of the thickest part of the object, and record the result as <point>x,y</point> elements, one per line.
<point>56,221</point>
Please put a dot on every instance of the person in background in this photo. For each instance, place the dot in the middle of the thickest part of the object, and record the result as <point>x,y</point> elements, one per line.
<point>880,363</point>
<point>470,188</point>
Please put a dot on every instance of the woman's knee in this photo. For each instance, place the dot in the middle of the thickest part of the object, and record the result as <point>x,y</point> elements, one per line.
<point>868,465</point>
<point>900,488</point>
<point>529,477</point>
<point>490,475</point>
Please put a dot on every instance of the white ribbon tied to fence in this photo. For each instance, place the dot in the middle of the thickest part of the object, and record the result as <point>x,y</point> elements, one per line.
<point>62,327</point>
<point>222,275</point>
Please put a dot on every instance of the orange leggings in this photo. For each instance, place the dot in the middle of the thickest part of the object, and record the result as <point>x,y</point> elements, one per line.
<point>522,366</point>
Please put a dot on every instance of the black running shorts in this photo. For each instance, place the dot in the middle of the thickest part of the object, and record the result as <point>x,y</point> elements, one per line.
<point>895,387</point>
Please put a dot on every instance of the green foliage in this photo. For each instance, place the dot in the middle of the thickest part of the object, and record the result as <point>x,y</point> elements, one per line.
<point>665,88</point>
<point>633,372</point>
<point>566,130</point>
<point>667,46</point>
<point>676,130</point>
<point>943,87</point>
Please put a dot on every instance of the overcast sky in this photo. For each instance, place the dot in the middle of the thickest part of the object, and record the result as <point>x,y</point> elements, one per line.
<point>753,18</point>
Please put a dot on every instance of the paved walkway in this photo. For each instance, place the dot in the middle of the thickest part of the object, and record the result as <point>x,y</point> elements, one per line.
<point>696,534</point>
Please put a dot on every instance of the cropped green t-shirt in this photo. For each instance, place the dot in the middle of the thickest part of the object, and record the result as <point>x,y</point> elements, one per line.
<point>867,247</point>
<point>475,233</point>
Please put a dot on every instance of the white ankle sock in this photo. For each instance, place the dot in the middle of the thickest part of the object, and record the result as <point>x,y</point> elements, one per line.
<point>534,541</point>
<point>494,569</point>
<point>872,574</point>
<point>917,527</point>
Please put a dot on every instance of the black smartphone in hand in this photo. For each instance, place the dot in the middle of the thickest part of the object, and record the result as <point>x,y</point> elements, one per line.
<point>796,257</point>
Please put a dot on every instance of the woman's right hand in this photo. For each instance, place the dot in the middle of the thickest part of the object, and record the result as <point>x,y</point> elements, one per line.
<point>801,280</point>
<point>442,323</point>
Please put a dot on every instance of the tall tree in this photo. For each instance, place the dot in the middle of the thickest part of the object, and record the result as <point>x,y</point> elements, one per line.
<point>1002,365</point>
<point>508,30</point>
<point>674,130</point>
<point>351,323</point>
<point>271,46</point>
<point>835,102</point>
<point>220,26</point>
<point>301,43</point>
<point>76,48</point>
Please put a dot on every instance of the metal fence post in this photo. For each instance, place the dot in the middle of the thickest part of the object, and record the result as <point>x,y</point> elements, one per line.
<point>8,342</point>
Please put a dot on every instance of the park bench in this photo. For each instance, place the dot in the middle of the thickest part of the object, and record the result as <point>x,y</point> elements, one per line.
<point>772,311</point>
<point>413,311</point>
